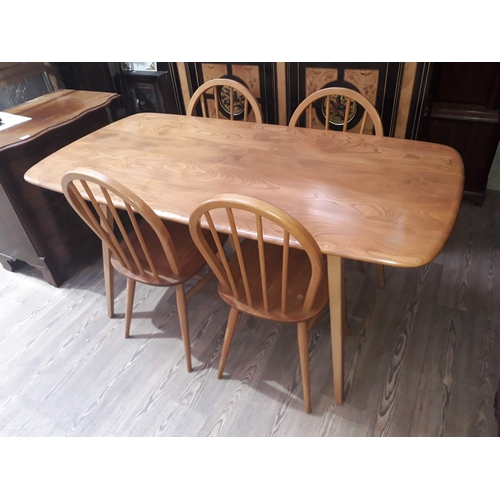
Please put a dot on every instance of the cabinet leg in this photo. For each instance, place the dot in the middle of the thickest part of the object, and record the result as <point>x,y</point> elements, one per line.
<point>9,264</point>
<point>51,273</point>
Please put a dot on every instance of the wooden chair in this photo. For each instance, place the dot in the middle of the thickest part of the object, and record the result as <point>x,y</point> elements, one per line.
<point>236,95</point>
<point>151,251</point>
<point>335,100</point>
<point>270,281</point>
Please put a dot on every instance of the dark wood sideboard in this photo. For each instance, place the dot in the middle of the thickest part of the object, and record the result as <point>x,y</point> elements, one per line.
<point>38,226</point>
<point>463,111</point>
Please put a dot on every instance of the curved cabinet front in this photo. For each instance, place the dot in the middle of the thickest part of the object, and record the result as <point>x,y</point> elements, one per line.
<point>38,226</point>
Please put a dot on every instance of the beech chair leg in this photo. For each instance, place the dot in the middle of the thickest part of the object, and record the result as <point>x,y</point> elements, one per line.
<point>109,282</point>
<point>304,363</point>
<point>381,275</point>
<point>183,320</point>
<point>228,337</point>
<point>129,305</point>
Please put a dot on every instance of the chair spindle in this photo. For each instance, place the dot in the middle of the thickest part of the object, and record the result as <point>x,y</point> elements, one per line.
<point>327,113</point>
<point>241,262</point>
<point>105,231</point>
<point>231,102</point>
<point>124,233</point>
<point>363,122</point>
<point>245,113</point>
<point>143,244</point>
<point>346,114</point>
<point>216,101</point>
<point>222,258</point>
<point>262,261</point>
<point>284,273</point>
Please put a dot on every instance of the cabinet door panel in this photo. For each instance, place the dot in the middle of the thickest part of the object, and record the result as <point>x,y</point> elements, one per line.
<point>379,82</point>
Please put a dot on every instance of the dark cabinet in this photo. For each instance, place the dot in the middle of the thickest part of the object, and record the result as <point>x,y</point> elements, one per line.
<point>94,76</point>
<point>148,91</point>
<point>37,225</point>
<point>463,112</point>
<point>151,91</point>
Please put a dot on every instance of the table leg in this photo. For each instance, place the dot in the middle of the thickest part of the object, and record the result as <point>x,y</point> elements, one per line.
<point>335,286</point>
<point>109,281</point>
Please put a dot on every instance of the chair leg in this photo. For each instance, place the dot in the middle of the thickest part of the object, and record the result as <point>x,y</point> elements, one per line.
<point>129,305</point>
<point>109,285</point>
<point>381,275</point>
<point>109,282</point>
<point>228,337</point>
<point>183,319</point>
<point>304,363</point>
<point>361,267</point>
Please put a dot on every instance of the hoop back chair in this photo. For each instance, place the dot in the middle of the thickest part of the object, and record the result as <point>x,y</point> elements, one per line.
<point>149,252</point>
<point>272,281</point>
<point>236,96</point>
<point>338,100</point>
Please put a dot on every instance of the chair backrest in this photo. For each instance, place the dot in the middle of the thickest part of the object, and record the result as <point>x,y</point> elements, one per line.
<point>338,102</point>
<point>133,253</point>
<point>240,278</point>
<point>230,95</point>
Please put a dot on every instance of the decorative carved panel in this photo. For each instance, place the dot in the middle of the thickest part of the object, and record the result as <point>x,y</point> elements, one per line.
<point>260,78</point>
<point>379,82</point>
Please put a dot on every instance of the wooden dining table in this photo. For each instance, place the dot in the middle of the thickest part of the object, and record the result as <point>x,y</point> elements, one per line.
<point>374,199</point>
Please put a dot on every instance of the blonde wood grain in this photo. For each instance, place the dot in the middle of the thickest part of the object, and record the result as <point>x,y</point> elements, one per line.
<point>109,282</point>
<point>148,253</point>
<point>258,272</point>
<point>201,92</point>
<point>335,287</point>
<point>65,371</point>
<point>369,110</point>
<point>377,199</point>
<point>304,363</point>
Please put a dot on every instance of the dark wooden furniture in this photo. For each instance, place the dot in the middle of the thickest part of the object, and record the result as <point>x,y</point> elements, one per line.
<point>22,82</point>
<point>94,76</point>
<point>464,112</point>
<point>151,91</point>
<point>38,226</point>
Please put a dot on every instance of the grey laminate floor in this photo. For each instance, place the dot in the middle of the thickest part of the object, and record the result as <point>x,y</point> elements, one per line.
<point>422,358</point>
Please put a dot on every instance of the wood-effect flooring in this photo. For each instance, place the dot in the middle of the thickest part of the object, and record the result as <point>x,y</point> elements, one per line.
<point>422,358</point>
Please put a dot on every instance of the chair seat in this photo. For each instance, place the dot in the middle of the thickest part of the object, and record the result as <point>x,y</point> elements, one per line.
<point>190,259</point>
<point>298,281</point>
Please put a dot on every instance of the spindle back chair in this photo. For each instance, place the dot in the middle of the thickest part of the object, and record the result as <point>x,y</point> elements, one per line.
<point>143,248</point>
<point>280,276</point>
<point>340,98</point>
<point>240,100</point>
